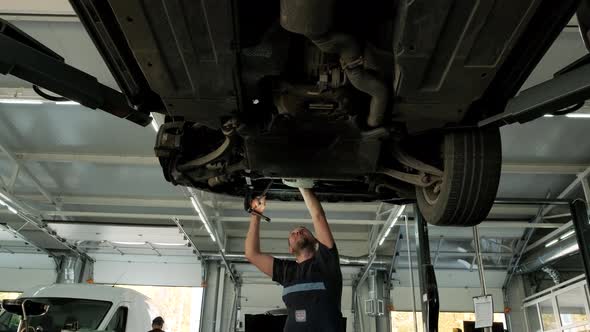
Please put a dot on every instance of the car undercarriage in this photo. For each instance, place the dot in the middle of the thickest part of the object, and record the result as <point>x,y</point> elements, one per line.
<point>372,101</point>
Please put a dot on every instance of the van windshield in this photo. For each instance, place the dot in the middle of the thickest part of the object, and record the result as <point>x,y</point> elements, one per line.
<point>63,314</point>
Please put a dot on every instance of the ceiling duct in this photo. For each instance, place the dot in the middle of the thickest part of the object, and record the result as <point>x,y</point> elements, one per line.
<point>547,255</point>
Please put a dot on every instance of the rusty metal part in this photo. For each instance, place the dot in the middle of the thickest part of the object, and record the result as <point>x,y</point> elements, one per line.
<point>431,196</point>
<point>405,159</point>
<point>313,19</point>
<point>421,179</point>
<point>198,162</point>
<point>217,180</point>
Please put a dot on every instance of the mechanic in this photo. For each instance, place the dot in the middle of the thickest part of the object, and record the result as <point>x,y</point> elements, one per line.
<point>157,324</point>
<point>312,284</point>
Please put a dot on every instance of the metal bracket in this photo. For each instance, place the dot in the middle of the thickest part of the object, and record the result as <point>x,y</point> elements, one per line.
<point>428,285</point>
<point>26,58</point>
<point>564,90</point>
<point>421,180</point>
<point>582,226</point>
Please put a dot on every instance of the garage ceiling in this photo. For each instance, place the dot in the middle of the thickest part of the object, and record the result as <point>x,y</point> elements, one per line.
<point>94,180</point>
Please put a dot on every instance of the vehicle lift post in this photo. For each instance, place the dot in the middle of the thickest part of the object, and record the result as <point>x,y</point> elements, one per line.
<point>428,285</point>
<point>579,211</point>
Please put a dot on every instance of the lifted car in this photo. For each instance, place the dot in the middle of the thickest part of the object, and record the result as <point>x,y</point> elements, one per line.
<point>373,100</point>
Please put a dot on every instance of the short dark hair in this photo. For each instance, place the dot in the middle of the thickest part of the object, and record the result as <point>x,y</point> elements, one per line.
<point>158,321</point>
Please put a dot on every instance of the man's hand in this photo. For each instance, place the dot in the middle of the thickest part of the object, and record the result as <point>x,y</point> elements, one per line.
<point>258,204</point>
<point>320,224</point>
<point>252,245</point>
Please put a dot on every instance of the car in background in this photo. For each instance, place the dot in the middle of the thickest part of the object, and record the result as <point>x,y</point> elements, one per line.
<point>74,307</point>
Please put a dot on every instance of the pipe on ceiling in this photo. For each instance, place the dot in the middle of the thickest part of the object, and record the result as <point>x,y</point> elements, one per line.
<point>547,255</point>
<point>344,260</point>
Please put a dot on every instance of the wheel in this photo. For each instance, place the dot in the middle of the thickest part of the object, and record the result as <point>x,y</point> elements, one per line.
<point>471,163</point>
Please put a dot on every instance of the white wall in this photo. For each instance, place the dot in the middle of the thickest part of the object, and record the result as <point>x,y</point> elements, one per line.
<point>451,299</point>
<point>147,270</point>
<point>456,289</point>
<point>516,293</point>
<point>19,272</point>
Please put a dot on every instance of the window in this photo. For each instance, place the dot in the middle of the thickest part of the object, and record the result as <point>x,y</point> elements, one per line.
<point>572,308</point>
<point>578,329</point>
<point>87,314</point>
<point>532,318</point>
<point>562,309</point>
<point>9,323</point>
<point>179,306</point>
<point>548,315</point>
<point>119,321</point>
<point>9,295</point>
<point>403,321</point>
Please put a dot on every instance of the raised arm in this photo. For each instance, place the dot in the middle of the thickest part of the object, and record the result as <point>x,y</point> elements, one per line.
<point>320,224</point>
<point>252,245</point>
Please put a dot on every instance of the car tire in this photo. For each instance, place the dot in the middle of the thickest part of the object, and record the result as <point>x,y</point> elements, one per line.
<point>472,161</point>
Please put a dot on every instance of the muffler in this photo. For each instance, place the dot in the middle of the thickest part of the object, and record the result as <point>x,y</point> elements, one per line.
<point>314,19</point>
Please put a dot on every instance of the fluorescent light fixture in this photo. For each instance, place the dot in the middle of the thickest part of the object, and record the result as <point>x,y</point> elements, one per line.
<point>2,203</point>
<point>67,102</point>
<point>169,244</point>
<point>398,214</point>
<point>11,209</point>
<point>155,125</point>
<point>548,115</point>
<point>202,217</point>
<point>5,198</point>
<point>566,235</point>
<point>21,101</point>
<point>387,232</point>
<point>578,115</point>
<point>128,243</point>
<point>552,242</point>
<point>466,263</point>
<point>571,249</point>
<point>195,205</point>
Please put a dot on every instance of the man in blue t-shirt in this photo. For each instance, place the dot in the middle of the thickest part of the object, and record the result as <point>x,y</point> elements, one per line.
<point>312,283</point>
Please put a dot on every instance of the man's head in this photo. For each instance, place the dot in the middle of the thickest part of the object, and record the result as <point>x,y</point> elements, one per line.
<point>301,239</point>
<point>158,323</point>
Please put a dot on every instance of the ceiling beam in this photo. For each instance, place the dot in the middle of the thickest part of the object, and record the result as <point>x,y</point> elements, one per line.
<point>568,190</point>
<point>225,203</point>
<point>24,170</point>
<point>230,203</point>
<point>543,168</point>
<point>245,218</point>
<point>89,158</point>
<point>150,160</point>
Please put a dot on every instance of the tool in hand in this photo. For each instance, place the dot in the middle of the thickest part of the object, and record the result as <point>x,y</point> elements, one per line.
<point>248,201</point>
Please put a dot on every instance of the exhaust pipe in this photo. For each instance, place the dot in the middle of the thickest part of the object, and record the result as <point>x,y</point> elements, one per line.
<point>314,19</point>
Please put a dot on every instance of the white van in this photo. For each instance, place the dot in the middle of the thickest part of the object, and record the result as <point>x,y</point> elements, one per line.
<point>88,308</point>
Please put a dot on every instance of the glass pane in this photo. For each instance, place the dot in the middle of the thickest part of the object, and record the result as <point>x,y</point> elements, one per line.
<point>8,322</point>
<point>180,306</point>
<point>403,321</point>
<point>578,329</point>
<point>64,313</point>
<point>532,317</point>
<point>119,321</point>
<point>572,307</point>
<point>548,315</point>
